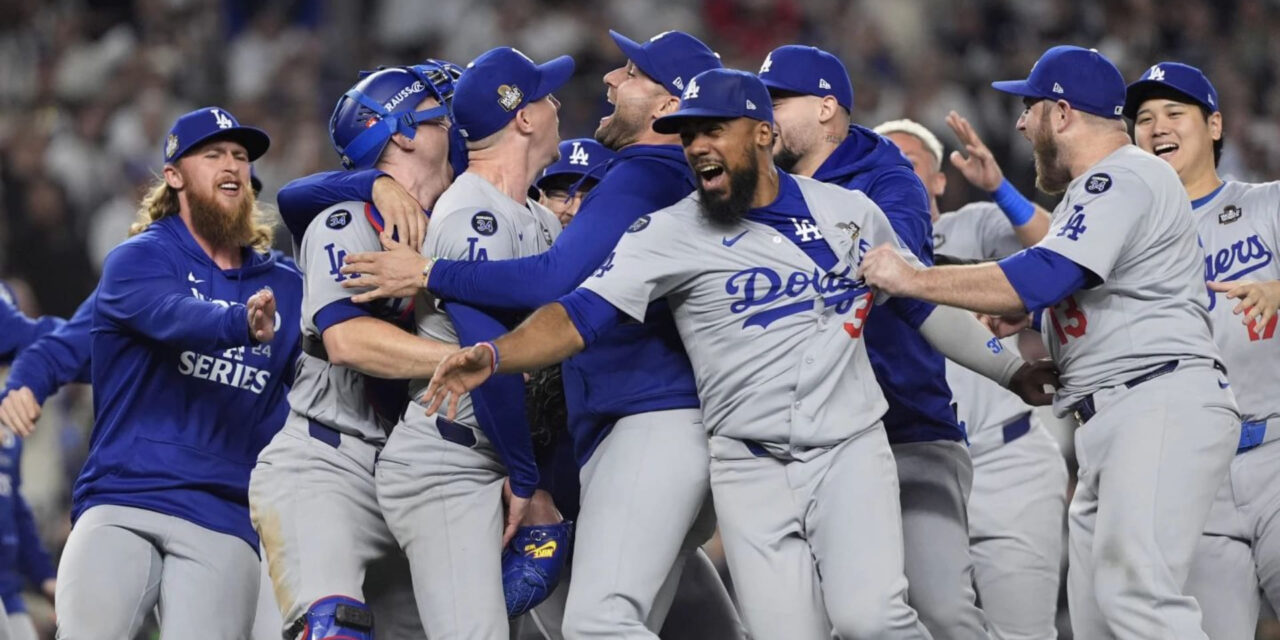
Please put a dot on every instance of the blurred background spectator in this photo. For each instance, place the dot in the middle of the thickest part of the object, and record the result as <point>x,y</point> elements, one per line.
<point>88,89</point>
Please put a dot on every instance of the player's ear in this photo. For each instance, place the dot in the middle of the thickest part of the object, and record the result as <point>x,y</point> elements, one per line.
<point>1061,114</point>
<point>666,106</point>
<point>405,143</point>
<point>827,109</point>
<point>764,134</point>
<point>1215,125</point>
<point>523,123</point>
<point>173,177</point>
<point>938,184</point>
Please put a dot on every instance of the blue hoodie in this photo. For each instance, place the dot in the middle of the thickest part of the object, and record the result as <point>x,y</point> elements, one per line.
<point>911,372</point>
<point>184,400</point>
<point>21,553</point>
<point>56,358</point>
<point>634,368</point>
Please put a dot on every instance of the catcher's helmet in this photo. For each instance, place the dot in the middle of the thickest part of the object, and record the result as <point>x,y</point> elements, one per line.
<point>383,103</point>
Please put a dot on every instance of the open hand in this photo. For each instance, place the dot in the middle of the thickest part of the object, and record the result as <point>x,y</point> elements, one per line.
<point>402,215</point>
<point>980,167</point>
<point>1258,300</point>
<point>393,273</point>
<point>460,372</point>
<point>262,315</point>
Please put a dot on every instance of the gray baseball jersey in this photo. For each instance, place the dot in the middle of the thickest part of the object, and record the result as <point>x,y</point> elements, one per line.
<point>976,231</point>
<point>1240,230</point>
<point>473,220</point>
<point>1128,221</point>
<point>331,395</point>
<point>774,341</point>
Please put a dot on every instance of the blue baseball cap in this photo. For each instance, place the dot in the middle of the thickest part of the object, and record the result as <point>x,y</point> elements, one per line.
<point>671,58</point>
<point>578,157</point>
<point>720,93</point>
<point>498,84</point>
<point>809,71</point>
<point>1181,78</point>
<point>1086,79</point>
<point>194,128</point>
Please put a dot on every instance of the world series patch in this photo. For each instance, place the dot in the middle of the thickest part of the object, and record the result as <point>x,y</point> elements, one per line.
<point>485,223</point>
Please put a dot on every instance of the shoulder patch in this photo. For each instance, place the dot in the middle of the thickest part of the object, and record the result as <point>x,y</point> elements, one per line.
<point>1097,183</point>
<point>639,224</point>
<point>485,223</point>
<point>338,219</point>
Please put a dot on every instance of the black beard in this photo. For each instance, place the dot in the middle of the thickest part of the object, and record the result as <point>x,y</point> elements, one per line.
<point>220,225</point>
<point>728,210</point>
<point>786,158</point>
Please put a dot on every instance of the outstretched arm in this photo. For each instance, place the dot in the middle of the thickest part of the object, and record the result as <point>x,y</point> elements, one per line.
<point>302,199</point>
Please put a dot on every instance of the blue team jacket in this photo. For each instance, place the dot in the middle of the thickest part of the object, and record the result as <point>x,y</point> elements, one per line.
<point>635,368</point>
<point>183,400</point>
<point>911,372</point>
<point>21,553</point>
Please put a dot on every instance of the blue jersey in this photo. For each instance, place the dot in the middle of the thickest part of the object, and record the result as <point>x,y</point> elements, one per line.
<point>22,556</point>
<point>184,400</point>
<point>911,372</point>
<point>17,331</point>
<point>634,368</point>
<point>56,358</point>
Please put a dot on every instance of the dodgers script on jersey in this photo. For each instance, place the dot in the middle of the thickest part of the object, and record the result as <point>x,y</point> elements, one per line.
<point>774,340</point>
<point>1127,220</point>
<point>1240,230</point>
<point>473,220</point>
<point>976,231</point>
<point>332,395</point>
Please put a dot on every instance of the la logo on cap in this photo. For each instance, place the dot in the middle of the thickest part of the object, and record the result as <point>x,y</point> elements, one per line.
<point>691,92</point>
<point>509,97</point>
<point>221,119</point>
<point>768,62</point>
<point>1157,73</point>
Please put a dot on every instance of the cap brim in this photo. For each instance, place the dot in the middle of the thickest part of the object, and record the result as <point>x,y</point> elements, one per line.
<point>635,53</point>
<point>774,85</point>
<point>553,74</point>
<point>542,180</point>
<point>1140,91</point>
<point>255,140</point>
<point>1017,88</point>
<point>671,123</point>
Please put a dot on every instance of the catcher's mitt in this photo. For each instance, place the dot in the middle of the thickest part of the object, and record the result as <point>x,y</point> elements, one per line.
<point>532,564</point>
<point>545,407</point>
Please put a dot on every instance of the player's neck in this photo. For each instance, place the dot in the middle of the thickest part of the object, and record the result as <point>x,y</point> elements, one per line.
<point>810,162</point>
<point>499,169</point>
<point>1092,150</point>
<point>1202,183</point>
<point>425,187</point>
<point>223,257</point>
<point>766,186</point>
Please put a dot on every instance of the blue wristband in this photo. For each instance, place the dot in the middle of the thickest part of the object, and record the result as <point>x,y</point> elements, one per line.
<point>1014,205</point>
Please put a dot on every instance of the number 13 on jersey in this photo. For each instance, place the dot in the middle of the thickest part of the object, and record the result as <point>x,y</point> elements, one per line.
<point>1068,320</point>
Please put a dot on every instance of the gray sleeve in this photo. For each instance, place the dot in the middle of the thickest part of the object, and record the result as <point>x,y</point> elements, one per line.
<point>959,336</point>
<point>328,240</point>
<point>1094,232</point>
<point>472,234</point>
<point>647,264</point>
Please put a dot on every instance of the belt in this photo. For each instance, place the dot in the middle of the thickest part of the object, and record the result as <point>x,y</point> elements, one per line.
<point>455,433</point>
<point>325,434</point>
<point>314,347</point>
<point>1252,434</point>
<point>1017,428</point>
<point>1085,408</point>
<point>756,448</point>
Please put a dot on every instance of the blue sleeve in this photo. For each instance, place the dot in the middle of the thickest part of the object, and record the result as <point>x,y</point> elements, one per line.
<point>591,314</point>
<point>302,199</point>
<point>499,402</point>
<point>58,357</point>
<point>912,311</point>
<point>627,192</point>
<point>17,330</point>
<point>1043,277</point>
<point>33,559</point>
<point>139,292</point>
<point>902,197</point>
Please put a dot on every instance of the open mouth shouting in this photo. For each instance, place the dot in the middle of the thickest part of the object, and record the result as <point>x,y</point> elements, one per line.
<point>712,175</point>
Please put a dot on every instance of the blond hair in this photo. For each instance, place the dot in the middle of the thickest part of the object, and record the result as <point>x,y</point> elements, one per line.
<point>913,128</point>
<point>161,201</point>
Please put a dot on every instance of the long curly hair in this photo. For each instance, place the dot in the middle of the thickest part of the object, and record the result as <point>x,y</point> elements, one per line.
<point>161,201</point>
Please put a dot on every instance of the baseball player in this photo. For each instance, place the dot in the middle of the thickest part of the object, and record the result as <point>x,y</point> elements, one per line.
<point>631,396</point>
<point>812,100</point>
<point>1019,496</point>
<point>1127,323</point>
<point>1176,116</point>
<point>348,577</point>
<point>567,181</point>
<point>188,387</point>
<point>789,466</point>
<point>441,484</point>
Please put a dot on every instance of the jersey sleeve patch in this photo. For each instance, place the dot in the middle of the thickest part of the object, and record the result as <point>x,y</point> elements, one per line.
<point>338,219</point>
<point>1097,183</point>
<point>484,223</point>
<point>639,224</point>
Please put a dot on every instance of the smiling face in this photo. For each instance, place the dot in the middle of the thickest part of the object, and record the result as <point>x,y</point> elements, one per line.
<point>796,117</point>
<point>634,96</point>
<point>726,157</point>
<point>212,181</point>
<point>1178,133</point>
